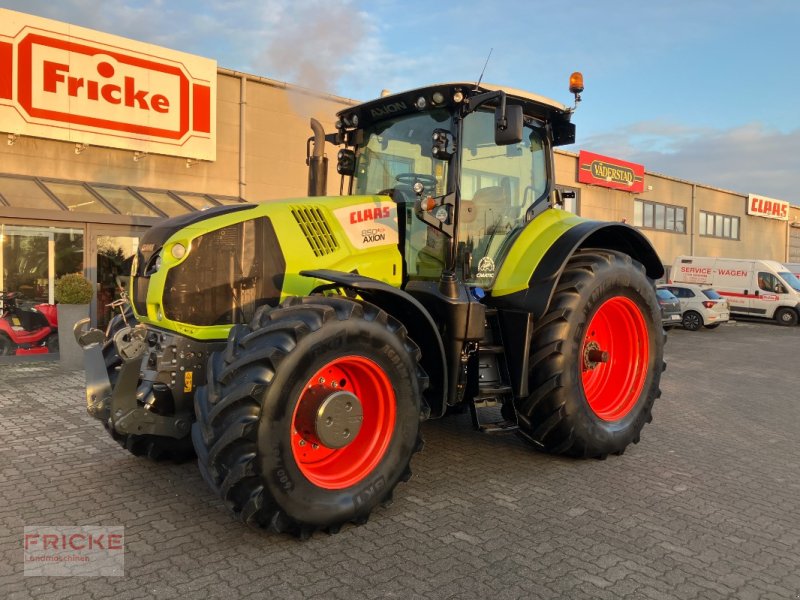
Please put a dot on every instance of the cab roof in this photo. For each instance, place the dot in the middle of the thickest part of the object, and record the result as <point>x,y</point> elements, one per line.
<point>528,99</point>
<point>451,96</point>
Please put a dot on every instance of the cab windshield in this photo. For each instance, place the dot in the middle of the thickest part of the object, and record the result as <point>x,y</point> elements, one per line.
<point>395,154</point>
<point>396,150</point>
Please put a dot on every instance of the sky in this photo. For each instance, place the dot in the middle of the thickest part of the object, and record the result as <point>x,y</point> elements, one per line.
<point>702,90</point>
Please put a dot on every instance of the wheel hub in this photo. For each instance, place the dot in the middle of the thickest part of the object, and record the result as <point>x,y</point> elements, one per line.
<point>593,355</point>
<point>329,417</point>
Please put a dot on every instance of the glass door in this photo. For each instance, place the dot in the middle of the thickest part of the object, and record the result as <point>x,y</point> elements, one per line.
<point>111,252</point>
<point>26,262</point>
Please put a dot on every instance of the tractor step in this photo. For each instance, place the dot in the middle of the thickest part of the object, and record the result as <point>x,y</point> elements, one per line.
<point>487,418</point>
<point>492,349</point>
<point>498,427</point>
<point>494,389</point>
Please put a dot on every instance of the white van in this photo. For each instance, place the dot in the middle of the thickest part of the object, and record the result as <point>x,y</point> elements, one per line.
<point>793,268</point>
<point>755,288</point>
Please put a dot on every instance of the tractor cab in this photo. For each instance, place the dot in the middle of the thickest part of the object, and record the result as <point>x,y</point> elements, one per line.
<point>467,165</point>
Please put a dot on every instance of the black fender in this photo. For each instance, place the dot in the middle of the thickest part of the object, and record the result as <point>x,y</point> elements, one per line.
<point>413,315</point>
<point>588,234</point>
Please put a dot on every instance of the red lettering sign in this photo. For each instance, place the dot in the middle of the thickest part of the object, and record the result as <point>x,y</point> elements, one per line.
<point>767,207</point>
<point>105,87</point>
<point>370,214</point>
<point>696,270</point>
<point>610,172</point>
<point>64,82</point>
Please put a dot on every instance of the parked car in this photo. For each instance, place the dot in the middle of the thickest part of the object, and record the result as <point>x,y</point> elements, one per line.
<point>701,306</point>
<point>670,308</point>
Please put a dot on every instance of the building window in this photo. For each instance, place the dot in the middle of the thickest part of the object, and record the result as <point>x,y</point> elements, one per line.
<point>654,215</point>
<point>721,226</point>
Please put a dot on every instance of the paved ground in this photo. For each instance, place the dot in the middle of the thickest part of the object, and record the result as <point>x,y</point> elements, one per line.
<point>707,506</point>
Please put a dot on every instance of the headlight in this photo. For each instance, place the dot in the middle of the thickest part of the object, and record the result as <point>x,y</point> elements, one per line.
<point>153,265</point>
<point>178,251</point>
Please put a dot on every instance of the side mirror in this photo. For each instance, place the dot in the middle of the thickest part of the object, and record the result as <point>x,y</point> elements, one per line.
<point>508,127</point>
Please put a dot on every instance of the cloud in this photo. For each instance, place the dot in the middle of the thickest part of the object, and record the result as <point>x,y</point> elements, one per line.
<point>334,47</point>
<point>152,21</point>
<point>747,159</point>
<point>303,41</point>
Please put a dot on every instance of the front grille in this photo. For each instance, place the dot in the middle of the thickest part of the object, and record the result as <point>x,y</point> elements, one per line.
<point>316,229</point>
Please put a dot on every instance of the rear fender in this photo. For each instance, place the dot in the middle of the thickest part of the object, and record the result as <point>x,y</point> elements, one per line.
<point>528,275</point>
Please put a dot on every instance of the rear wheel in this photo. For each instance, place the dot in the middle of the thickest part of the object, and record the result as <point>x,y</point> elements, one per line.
<point>596,359</point>
<point>692,320</point>
<point>786,316</point>
<point>310,415</point>
<point>154,447</point>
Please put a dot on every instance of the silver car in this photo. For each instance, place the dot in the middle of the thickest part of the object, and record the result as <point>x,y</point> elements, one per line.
<point>701,306</point>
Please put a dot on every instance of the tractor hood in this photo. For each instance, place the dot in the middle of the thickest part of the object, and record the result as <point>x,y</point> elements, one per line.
<point>154,238</point>
<point>199,274</point>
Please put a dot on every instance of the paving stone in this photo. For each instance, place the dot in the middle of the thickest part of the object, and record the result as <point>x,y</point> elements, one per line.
<point>704,507</point>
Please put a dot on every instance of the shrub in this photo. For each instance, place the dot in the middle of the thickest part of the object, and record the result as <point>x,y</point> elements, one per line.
<point>73,288</point>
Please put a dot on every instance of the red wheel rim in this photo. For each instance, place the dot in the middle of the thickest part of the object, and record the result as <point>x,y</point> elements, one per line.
<point>337,468</point>
<point>614,358</point>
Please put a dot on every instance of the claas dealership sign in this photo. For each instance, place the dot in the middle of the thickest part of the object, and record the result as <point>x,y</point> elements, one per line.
<point>761,206</point>
<point>68,83</point>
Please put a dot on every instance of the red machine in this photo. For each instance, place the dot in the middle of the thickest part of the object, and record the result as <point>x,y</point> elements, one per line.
<point>27,330</point>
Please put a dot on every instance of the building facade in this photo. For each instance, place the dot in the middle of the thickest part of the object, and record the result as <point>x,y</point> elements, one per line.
<point>102,137</point>
<point>688,218</point>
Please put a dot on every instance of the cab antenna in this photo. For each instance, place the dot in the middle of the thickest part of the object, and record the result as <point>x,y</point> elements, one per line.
<point>484,68</point>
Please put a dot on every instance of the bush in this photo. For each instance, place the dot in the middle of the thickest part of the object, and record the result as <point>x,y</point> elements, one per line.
<point>73,288</point>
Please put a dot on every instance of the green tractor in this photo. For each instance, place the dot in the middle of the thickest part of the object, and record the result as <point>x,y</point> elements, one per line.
<point>295,346</point>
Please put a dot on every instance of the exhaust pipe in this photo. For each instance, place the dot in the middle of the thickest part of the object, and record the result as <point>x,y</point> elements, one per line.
<point>317,161</point>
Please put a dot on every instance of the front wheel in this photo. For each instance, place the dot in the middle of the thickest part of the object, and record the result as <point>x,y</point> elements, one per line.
<point>786,316</point>
<point>596,359</point>
<point>310,415</point>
